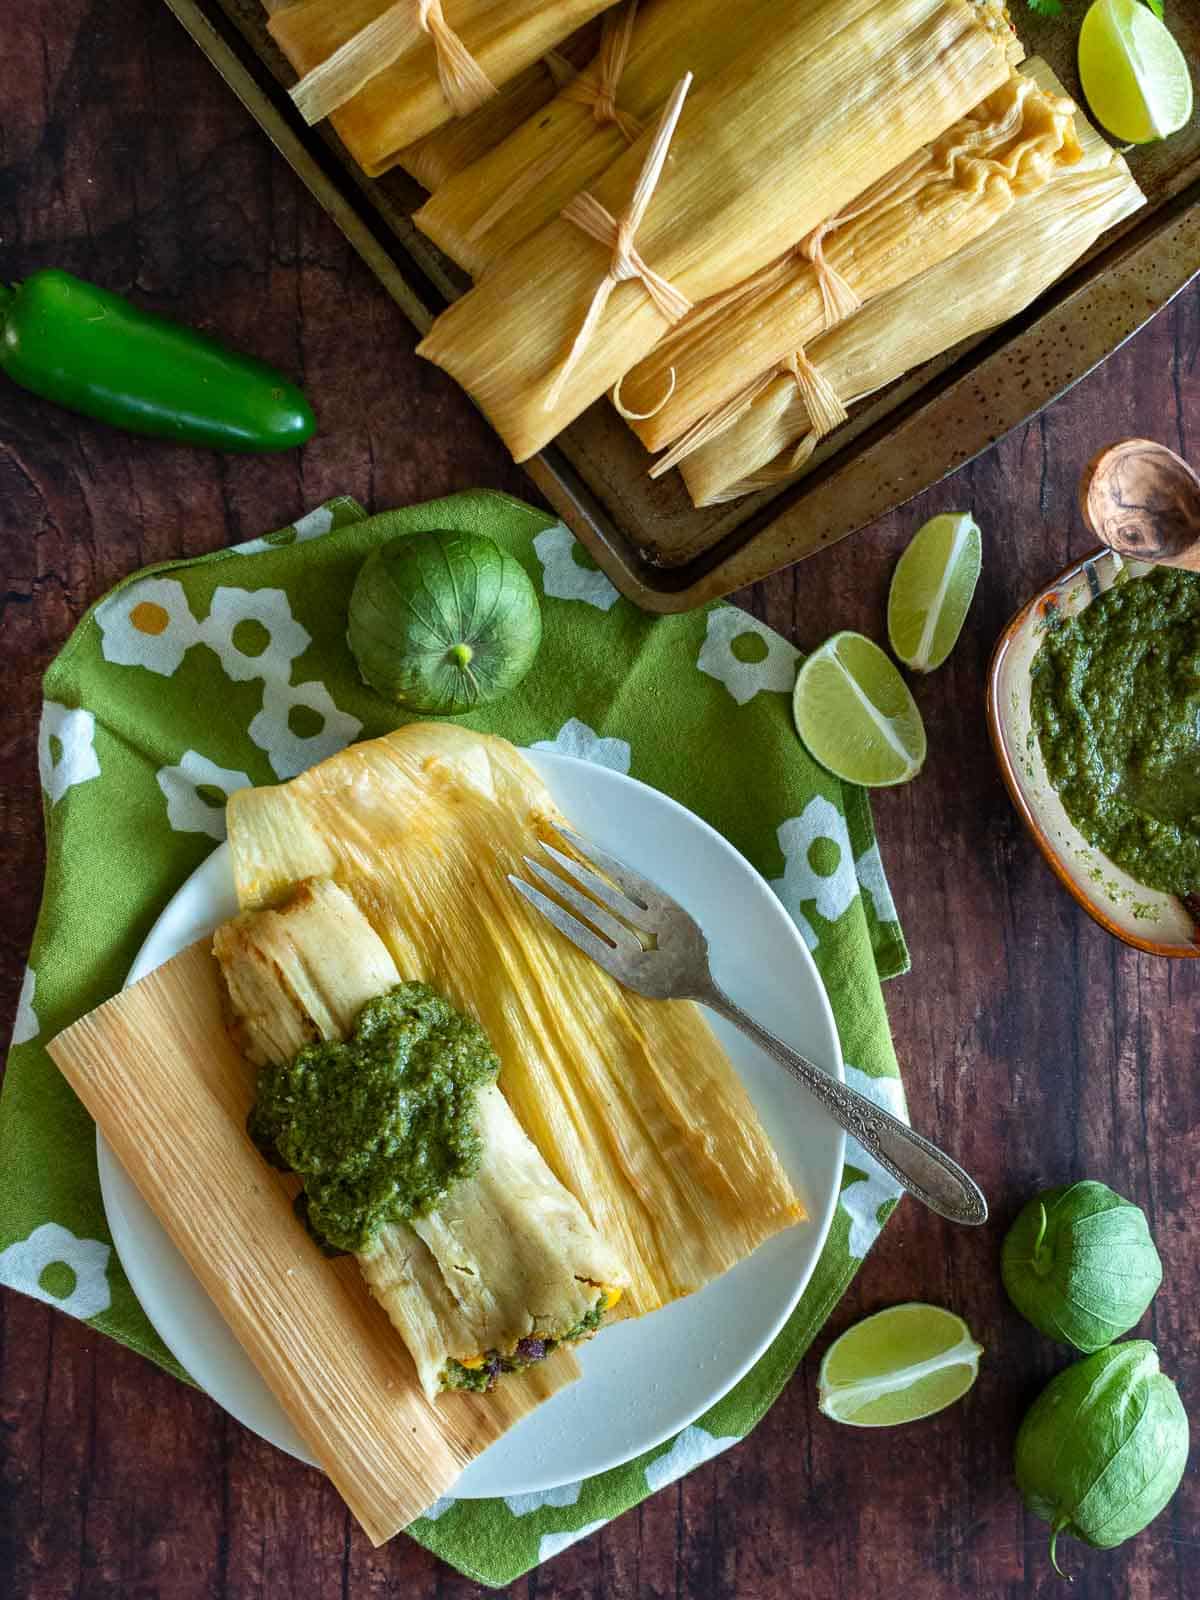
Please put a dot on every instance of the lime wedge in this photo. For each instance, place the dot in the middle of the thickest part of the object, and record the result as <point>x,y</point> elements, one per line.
<point>1134,75</point>
<point>931,590</point>
<point>855,714</point>
<point>898,1366</point>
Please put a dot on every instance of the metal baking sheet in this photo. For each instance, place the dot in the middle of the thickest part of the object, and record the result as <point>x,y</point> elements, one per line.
<point>646,534</point>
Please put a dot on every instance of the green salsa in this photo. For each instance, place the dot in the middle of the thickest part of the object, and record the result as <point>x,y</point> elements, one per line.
<point>1116,706</point>
<point>381,1126</point>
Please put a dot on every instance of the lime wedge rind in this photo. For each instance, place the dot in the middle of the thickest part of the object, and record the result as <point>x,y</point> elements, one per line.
<point>932,589</point>
<point>1134,73</point>
<point>855,714</point>
<point>900,1365</point>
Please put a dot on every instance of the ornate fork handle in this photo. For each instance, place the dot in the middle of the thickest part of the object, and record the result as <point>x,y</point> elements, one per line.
<point>911,1159</point>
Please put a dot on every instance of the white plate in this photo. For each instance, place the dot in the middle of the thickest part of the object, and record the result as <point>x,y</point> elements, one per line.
<point>642,1380</point>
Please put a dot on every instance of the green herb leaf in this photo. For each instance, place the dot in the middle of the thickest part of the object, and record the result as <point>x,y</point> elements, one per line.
<point>1046,8</point>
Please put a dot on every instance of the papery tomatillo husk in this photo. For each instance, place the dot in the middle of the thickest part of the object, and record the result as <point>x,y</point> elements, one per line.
<point>1080,1264</point>
<point>1103,1447</point>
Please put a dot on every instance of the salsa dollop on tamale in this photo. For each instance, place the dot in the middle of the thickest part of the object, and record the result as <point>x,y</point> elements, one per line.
<point>382,1125</point>
<point>1116,705</point>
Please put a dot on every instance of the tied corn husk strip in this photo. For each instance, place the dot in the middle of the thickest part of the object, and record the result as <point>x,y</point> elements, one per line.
<point>594,89</point>
<point>509,1254</point>
<point>633,1104</point>
<point>626,265</point>
<point>457,144</point>
<point>757,160</point>
<point>394,70</point>
<point>158,1072</point>
<point>981,286</point>
<point>927,207</point>
<point>526,181</point>
<point>339,78</point>
<point>599,92</point>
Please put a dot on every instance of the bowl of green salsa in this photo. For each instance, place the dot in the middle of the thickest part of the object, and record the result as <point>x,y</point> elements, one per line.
<point>1094,713</point>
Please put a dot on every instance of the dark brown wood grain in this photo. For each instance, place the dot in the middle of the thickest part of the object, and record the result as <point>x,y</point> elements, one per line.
<point>1034,1045</point>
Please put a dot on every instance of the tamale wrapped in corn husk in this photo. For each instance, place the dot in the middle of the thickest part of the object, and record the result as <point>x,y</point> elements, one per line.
<point>944,196</point>
<point>382,80</point>
<point>507,1264</point>
<point>826,103</point>
<point>633,1104</point>
<point>984,284</point>
<point>524,182</point>
<point>462,141</point>
<point>157,1070</point>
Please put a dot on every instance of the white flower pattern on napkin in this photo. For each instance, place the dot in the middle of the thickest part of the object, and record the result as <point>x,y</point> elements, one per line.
<point>190,811</point>
<point>693,1447</point>
<point>74,760</point>
<point>148,623</point>
<point>834,891</point>
<point>769,664</point>
<point>862,1198</point>
<point>290,752</point>
<point>24,1264</point>
<point>266,609</point>
<point>25,1024</point>
<point>563,578</point>
<point>521,1505</point>
<point>575,738</point>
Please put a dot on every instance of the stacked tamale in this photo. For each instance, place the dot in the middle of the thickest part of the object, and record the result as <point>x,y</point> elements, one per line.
<point>735,220</point>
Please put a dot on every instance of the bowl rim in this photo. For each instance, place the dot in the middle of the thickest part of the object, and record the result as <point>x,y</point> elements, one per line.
<point>1004,761</point>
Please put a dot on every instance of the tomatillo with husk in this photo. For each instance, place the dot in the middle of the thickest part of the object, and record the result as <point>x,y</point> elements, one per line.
<point>1080,1264</point>
<point>443,622</point>
<point>1103,1447</point>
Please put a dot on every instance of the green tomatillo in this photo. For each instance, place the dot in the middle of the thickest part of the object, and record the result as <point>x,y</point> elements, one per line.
<point>443,622</point>
<point>1080,1264</point>
<point>1103,1447</point>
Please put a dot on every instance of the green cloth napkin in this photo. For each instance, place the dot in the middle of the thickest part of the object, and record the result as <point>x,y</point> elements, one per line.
<point>195,678</point>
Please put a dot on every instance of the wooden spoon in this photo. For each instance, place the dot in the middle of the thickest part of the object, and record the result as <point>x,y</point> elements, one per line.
<point>1143,501</point>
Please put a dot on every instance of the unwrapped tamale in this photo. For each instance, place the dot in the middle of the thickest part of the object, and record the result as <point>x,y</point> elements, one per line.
<point>820,108</point>
<point>506,1266</point>
<point>388,90</point>
<point>938,201</point>
<point>633,1104</point>
<point>978,288</point>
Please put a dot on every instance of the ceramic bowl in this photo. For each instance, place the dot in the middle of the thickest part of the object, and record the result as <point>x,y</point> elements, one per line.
<point>1145,918</point>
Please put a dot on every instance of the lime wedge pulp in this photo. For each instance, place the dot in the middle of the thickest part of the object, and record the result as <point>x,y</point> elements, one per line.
<point>932,589</point>
<point>1134,75</point>
<point>855,714</point>
<point>902,1364</point>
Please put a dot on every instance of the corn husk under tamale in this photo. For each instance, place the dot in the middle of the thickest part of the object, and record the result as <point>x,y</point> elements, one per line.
<point>939,200</point>
<point>782,138</point>
<point>507,1263</point>
<point>525,181</point>
<point>632,1102</point>
<point>396,102</point>
<point>156,1069</point>
<point>462,141</point>
<point>983,285</point>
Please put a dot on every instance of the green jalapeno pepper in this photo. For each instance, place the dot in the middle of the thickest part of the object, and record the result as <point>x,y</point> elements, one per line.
<point>92,352</point>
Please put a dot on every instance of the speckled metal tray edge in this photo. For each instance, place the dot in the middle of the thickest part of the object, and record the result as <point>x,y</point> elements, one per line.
<point>999,384</point>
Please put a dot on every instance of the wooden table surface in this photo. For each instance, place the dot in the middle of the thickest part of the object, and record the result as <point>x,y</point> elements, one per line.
<point>1033,1044</point>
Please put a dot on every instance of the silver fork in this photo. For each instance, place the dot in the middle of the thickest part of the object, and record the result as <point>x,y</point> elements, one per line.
<point>649,943</point>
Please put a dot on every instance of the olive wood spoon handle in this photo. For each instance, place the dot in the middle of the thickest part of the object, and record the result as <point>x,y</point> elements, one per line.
<point>1143,501</point>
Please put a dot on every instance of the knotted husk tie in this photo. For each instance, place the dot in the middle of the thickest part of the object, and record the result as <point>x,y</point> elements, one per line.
<point>586,212</point>
<point>600,92</point>
<point>381,43</point>
<point>597,91</point>
<point>821,401</point>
